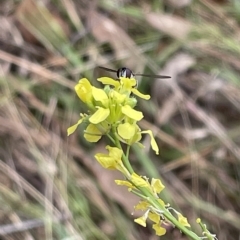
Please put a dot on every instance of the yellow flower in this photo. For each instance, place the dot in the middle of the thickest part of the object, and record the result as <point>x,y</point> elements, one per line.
<point>84,91</point>
<point>154,217</point>
<point>160,231</point>
<point>112,107</point>
<point>142,205</point>
<point>112,160</point>
<point>126,130</point>
<point>183,220</point>
<point>129,132</point>
<point>139,181</point>
<point>157,185</point>
<point>141,221</point>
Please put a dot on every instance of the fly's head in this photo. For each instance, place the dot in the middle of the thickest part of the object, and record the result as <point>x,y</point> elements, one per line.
<point>125,72</point>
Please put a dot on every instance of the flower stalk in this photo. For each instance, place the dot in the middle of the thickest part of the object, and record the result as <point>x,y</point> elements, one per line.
<point>112,113</point>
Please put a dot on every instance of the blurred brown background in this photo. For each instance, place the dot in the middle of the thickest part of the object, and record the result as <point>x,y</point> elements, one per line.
<point>50,185</point>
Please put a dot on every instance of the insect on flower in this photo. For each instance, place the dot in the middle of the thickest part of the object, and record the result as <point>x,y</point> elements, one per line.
<point>128,73</point>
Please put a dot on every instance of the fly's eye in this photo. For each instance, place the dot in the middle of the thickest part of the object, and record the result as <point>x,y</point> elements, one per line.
<point>123,73</point>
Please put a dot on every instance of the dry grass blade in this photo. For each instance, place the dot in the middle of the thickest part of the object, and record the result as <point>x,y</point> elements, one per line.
<point>45,27</point>
<point>21,226</point>
<point>36,68</point>
<point>175,27</point>
<point>215,127</point>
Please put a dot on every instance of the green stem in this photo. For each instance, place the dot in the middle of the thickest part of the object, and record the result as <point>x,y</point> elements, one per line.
<point>124,157</point>
<point>111,138</point>
<point>125,160</point>
<point>168,215</point>
<point>207,233</point>
<point>127,152</point>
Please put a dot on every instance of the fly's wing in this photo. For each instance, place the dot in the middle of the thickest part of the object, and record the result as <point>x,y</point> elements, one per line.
<point>143,75</point>
<point>152,76</point>
<point>108,69</point>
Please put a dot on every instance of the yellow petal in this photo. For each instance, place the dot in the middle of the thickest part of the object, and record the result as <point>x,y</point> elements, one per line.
<point>160,231</point>
<point>109,81</point>
<point>136,137</point>
<point>141,221</point>
<point>153,142</point>
<point>100,95</point>
<point>128,83</point>
<point>72,129</point>
<point>84,90</point>
<point>183,220</point>
<point>106,161</point>
<point>115,153</point>
<point>154,217</point>
<point>99,116</point>
<point>92,133</point>
<point>142,205</point>
<point>157,185</point>
<point>137,93</point>
<point>131,113</point>
<point>125,183</point>
<point>126,130</point>
<point>112,160</point>
<point>138,181</point>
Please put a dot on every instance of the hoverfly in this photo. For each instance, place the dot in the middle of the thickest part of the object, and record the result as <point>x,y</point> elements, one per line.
<point>127,73</point>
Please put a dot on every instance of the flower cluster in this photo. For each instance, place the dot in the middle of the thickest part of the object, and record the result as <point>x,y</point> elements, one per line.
<point>111,112</point>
